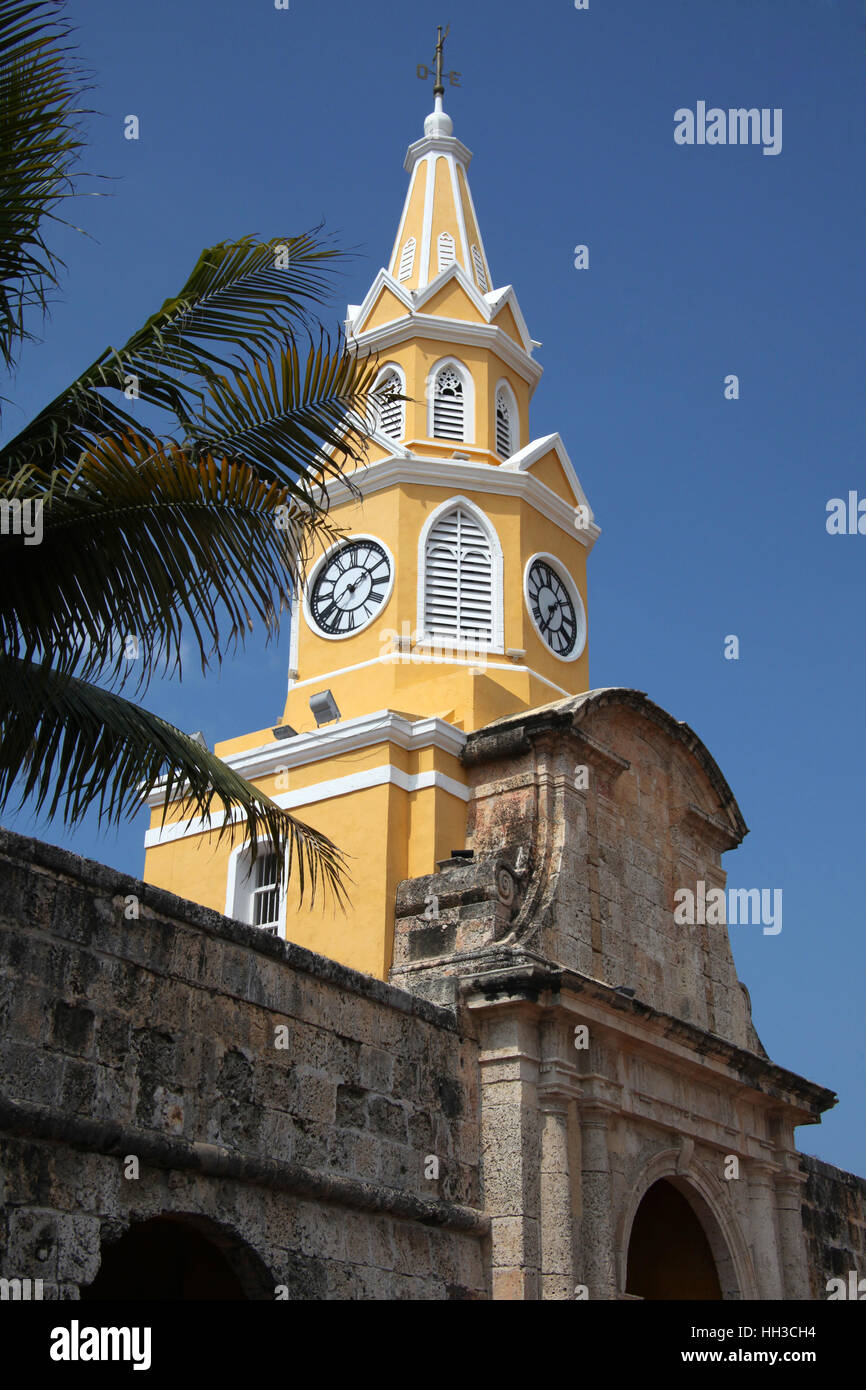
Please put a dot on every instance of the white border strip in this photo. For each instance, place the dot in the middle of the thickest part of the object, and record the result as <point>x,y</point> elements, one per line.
<point>388,775</point>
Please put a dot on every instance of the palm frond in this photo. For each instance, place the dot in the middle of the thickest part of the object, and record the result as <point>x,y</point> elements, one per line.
<point>41,87</point>
<point>73,746</point>
<point>239,303</point>
<point>300,423</point>
<point>150,543</point>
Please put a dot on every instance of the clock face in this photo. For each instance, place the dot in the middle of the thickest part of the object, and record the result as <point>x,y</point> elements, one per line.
<point>559,620</point>
<point>350,588</point>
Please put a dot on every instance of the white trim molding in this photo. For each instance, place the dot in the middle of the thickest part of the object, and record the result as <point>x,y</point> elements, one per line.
<point>386,775</point>
<point>523,460</point>
<point>507,479</point>
<point>350,735</point>
<point>459,332</point>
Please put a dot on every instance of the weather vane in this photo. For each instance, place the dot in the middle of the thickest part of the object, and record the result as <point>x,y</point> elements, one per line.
<point>424,72</point>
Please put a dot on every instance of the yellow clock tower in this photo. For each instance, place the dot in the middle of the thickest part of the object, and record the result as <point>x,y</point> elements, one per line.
<point>456,595</point>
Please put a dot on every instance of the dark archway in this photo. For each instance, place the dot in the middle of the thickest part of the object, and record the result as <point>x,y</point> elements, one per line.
<point>166,1257</point>
<point>669,1255</point>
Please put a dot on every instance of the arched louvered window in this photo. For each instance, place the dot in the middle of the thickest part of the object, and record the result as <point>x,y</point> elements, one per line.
<point>504,425</point>
<point>445,247</point>
<point>480,275</point>
<point>449,405</point>
<point>459,579</point>
<point>407,260</point>
<point>389,412</point>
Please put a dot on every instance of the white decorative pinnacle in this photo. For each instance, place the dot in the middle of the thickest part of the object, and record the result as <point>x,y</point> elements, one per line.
<point>438,122</point>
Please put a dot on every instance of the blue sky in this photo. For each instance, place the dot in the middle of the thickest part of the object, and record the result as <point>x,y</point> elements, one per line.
<point>704,261</point>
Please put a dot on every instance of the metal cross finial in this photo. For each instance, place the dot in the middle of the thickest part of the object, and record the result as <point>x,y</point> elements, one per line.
<point>438,89</point>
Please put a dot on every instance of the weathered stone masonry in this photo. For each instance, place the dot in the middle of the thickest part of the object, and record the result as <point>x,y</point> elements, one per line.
<point>307,1165</point>
<point>585,818</point>
<point>155,1037</point>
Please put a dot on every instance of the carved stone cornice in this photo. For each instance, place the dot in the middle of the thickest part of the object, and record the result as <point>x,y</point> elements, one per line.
<point>710,829</point>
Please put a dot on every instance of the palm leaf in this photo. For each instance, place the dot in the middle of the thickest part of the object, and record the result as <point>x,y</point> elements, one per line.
<point>235,306</point>
<point>72,746</point>
<point>40,140</point>
<point>299,423</point>
<point>151,543</point>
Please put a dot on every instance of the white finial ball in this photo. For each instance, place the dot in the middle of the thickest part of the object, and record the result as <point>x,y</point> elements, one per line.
<point>438,123</point>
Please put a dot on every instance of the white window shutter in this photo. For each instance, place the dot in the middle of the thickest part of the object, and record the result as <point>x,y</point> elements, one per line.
<point>449,406</point>
<point>504,432</point>
<point>478,262</point>
<point>407,260</point>
<point>446,251</point>
<point>388,411</point>
<point>458,580</point>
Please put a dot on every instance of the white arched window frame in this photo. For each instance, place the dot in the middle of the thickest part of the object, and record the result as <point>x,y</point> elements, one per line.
<point>504,396</point>
<point>471,644</point>
<point>390,419</point>
<point>445,364</point>
<point>252,894</point>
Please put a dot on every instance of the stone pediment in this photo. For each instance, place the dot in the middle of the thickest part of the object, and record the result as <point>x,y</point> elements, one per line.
<point>598,809</point>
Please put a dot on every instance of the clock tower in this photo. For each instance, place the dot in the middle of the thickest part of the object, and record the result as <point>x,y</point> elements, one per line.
<point>456,594</point>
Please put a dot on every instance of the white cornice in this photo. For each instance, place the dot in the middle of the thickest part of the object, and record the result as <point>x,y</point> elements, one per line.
<point>488,305</point>
<point>486,335</point>
<point>497,299</point>
<point>383,776</point>
<point>437,144</point>
<point>506,479</point>
<point>524,459</point>
<point>383,726</point>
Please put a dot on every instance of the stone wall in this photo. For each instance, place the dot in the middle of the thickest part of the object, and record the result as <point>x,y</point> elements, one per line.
<point>134,1024</point>
<point>834,1219</point>
<point>587,817</point>
<point>160,1036</point>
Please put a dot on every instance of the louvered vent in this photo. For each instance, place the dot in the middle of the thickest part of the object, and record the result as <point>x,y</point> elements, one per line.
<point>407,260</point>
<point>480,276</point>
<point>458,585</point>
<point>448,406</point>
<point>504,443</point>
<point>389,411</point>
<point>446,251</point>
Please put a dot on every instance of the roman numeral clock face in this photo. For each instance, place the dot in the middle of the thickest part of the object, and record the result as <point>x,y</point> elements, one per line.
<point>352,585</point>
<point>556,608</point>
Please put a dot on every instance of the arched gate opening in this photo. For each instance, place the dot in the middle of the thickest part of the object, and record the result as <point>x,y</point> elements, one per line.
<point>172,1258</point>
<point>669,1254</point>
